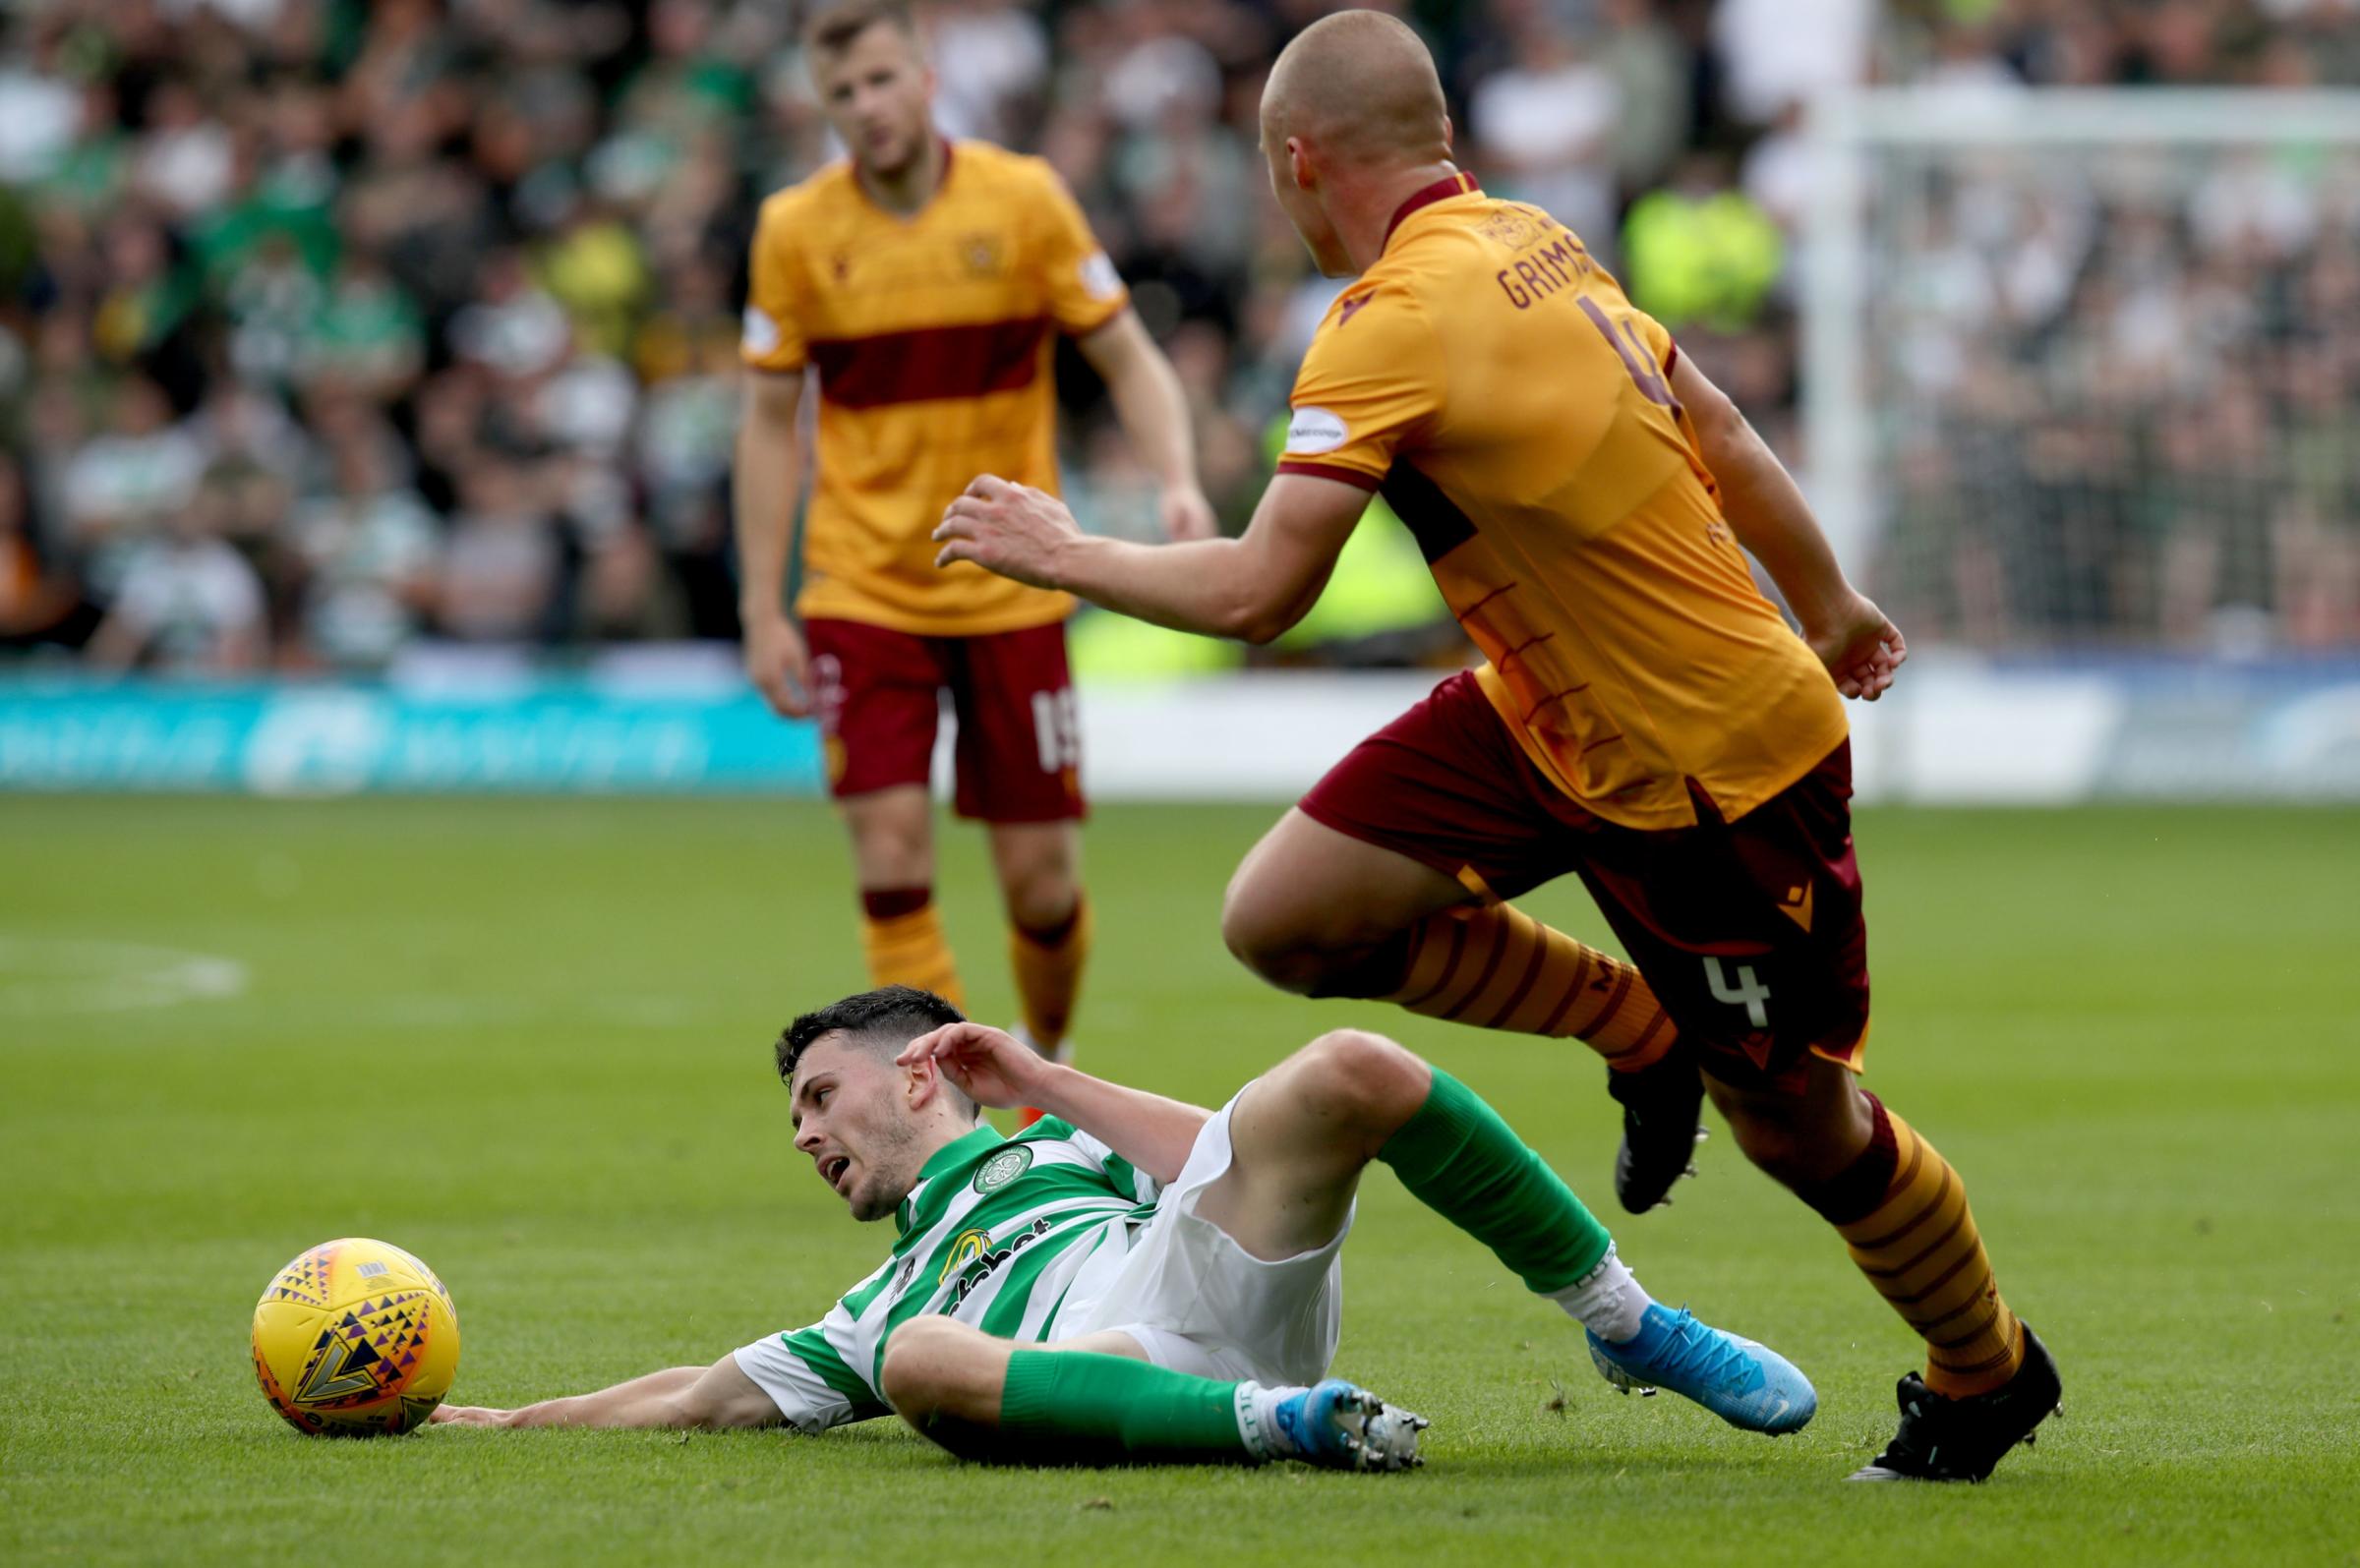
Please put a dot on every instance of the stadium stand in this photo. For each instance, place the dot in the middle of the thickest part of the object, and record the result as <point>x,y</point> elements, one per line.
<point>326,328</point>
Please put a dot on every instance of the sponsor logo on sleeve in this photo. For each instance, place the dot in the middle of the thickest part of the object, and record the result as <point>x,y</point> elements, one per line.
<point>761,333</point>
<point>1315,430</point>
<point>1098,277</point>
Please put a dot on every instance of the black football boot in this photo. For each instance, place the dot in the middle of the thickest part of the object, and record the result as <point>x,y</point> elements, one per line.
<point>1961,1439</point>
<point>1660,1128</point>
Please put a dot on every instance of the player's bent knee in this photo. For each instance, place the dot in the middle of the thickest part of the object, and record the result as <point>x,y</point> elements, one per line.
<point>1359,1055</point>
<point>1276,950</point>
<point>893,840</point>
<point>1253,942</point>
<point>1362,1077</point>
<point>1037,902</point>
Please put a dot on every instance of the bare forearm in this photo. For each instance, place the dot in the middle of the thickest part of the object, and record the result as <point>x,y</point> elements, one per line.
<point>1252,587</point>
<point>655,1400</point>
<point>1209,586</point>
<point>1766,510</point>
<point>766,482</point>
<point>1762,504</point>
<point>1154,410</point>
<point>1855,641</point>
<point>1151,1131</point>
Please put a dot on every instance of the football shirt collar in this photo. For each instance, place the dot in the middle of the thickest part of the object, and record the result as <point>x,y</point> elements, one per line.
<point>1460,184</point>
<point>942,179</point>
<point>964,1149</point>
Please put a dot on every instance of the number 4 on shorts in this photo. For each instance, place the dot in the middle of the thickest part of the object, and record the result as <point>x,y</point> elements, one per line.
<point>1747,993</point>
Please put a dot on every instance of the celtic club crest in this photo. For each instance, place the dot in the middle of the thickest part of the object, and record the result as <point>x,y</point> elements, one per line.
<point>1002,1168</point>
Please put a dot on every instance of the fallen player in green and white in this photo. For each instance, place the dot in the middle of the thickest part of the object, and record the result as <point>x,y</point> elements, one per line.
<point>1134,1279</point>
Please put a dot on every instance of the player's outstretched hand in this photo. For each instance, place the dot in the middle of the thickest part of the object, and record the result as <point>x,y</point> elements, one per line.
<point>779,666</point>
<point>1188,515</point>
<point>1860,648</point>
<point>1014,530</point>
<point>467,1416</point>
<point>993,1067</point>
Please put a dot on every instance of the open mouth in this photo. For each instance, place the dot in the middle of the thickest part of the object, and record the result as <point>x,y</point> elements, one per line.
<point>832,1171</point>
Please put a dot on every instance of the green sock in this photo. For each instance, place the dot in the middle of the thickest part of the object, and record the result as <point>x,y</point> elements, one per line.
<point>1081,1407</point>
<point>1461,1161</point>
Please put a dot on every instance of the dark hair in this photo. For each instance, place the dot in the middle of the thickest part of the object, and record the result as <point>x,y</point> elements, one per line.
<point>833,28</point>
<point>890,1016</point>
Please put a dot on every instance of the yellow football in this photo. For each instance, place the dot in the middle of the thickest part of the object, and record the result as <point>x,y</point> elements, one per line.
<point>355,1338</point>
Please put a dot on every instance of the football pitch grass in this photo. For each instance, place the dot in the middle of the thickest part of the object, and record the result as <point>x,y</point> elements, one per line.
<point>529,1040</point>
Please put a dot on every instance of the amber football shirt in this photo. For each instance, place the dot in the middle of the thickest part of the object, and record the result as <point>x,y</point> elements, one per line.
<point>1492,380</point>
<point>931,334</point>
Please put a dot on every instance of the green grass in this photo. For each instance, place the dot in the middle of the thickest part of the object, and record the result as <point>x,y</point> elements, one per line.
<point>528,1040</point>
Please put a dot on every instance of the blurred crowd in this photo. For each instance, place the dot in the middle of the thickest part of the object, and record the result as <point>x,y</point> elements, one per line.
<point>2119,398</point>
<point>327,327</point>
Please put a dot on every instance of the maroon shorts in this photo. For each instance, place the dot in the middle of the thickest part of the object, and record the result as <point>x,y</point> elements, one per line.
<point>1018,749</point>
<point>1751,932</point>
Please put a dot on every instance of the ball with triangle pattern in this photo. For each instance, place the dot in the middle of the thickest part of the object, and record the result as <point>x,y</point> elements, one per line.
<point>355,1338</point>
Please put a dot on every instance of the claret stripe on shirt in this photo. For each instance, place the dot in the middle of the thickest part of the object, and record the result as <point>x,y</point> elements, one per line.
<point>929,362</point>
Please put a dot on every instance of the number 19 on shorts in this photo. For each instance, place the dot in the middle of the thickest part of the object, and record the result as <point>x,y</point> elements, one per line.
<point>1057,729</point>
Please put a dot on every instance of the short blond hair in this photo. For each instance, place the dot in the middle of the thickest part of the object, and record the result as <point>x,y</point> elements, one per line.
<point>833,25</point>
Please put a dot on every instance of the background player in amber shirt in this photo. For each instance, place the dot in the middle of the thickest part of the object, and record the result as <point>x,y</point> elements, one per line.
<point>925,283</point>
<point>1645,720</point>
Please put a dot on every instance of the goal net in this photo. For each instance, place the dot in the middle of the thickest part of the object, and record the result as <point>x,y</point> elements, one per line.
<point>2083,369</point>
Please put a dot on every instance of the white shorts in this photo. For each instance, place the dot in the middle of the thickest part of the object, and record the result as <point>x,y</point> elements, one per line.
<point>1199,1303</point>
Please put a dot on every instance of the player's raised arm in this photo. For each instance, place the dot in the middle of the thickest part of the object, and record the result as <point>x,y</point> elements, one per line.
<point>1860,648</point>
<point>1251,588</point>
<point>1149,399</point>
<point>996,1069</point>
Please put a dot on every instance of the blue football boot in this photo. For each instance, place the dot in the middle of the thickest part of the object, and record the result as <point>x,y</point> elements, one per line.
<point>1343,1426</point>
<point>1745,1385</point>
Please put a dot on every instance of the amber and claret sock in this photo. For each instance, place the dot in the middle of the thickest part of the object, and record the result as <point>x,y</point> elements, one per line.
<point>1497,967</point>
<point>901,936</point>
<point>1903,1211</point>
<point>1047,960</point>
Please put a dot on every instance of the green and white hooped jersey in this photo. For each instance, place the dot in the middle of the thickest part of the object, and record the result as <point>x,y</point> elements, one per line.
<point>1011,1235</point>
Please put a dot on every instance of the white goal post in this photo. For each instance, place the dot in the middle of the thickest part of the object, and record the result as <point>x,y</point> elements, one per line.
<point>2083,367</point>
